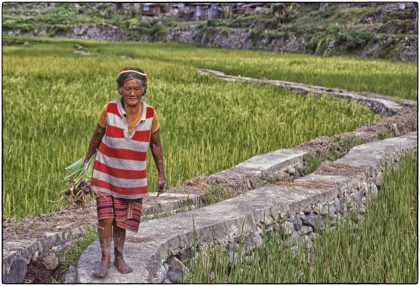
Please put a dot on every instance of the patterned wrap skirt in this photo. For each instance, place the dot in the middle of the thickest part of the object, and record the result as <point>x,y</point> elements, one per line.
<point>125,212</point>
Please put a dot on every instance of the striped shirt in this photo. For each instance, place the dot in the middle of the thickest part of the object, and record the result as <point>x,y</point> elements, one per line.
<point>102,120</point>
<point>120,165</point>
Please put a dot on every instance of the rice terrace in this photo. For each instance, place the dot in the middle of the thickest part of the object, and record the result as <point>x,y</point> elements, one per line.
<point>280,167</point>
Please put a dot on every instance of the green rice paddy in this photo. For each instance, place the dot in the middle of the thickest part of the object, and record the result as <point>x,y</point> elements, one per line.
<point>52,98</point>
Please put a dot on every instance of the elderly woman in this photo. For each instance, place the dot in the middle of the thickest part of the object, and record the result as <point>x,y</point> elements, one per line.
<point>124,131</point>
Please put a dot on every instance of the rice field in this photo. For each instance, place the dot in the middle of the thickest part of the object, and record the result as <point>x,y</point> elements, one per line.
<point>379,76</point>
<point>52,98</point>
<point>382,249</point>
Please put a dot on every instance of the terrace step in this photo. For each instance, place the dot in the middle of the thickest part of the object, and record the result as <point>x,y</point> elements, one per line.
<point>58,229</point>
<point>246,215</point>
<point>384,105</point>
<point>271,163</point>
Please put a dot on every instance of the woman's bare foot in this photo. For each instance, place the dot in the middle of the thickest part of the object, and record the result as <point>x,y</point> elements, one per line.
<point>122,266</point>
<point>119,238</point>
<point>102,270</point>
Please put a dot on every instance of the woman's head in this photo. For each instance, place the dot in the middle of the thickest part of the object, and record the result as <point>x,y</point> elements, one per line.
<point>130,73</point>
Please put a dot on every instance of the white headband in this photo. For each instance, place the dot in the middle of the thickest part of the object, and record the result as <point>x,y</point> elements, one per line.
<point>134,71</point>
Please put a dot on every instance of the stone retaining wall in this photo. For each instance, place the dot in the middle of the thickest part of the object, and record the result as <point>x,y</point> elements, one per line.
<point>296,208</point>
<point>384,105</point>
<point>51,234</point>
<point>245,38</point>
<point>44,238</point>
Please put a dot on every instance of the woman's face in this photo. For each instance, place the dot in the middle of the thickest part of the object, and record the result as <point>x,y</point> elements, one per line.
<point>132,91</point>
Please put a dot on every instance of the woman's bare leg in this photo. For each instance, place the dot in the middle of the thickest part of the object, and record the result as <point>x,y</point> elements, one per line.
<point>119,239</point>
<point>105,237</point>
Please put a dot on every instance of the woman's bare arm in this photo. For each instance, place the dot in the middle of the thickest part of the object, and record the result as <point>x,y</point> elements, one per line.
<point>94,142</point>
<point>157,152</point>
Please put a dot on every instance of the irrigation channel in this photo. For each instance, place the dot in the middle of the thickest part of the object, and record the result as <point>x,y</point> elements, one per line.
<point>271,192</point>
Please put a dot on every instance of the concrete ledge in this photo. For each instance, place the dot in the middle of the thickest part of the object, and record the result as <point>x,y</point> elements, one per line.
<point>249,213</point>
<point>383,105</point>
<point>272,162</point>
<point>56,231</point>
<point>168,202</point>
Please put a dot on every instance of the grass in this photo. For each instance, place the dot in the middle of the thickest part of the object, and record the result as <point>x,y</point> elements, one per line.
<point>340,147</point>
<point>72,255</point>
<point>382,249</point>
<point>217,193</point>
<point>379,76</point>
<point>52,98</point>
<point>351,73</point>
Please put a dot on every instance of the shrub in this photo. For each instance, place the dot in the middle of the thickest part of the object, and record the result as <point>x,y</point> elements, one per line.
<point>215,23</point>
<point>57,30</point>
<point>63,13</point>
<point>158,30</point>
<point>133,23</point>
<point>17,24</point>
<point>354,39</point>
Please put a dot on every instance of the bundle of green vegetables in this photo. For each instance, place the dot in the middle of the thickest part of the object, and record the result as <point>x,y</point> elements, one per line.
<point>78,190</point>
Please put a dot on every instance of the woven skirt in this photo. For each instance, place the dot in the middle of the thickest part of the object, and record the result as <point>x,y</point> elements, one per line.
<point>125,212</point>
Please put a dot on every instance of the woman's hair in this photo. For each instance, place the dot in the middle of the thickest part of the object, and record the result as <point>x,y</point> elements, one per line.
<point>129,73</point>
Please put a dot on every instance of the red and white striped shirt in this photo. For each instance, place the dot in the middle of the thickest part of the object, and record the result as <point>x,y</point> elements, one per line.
<point>120,166</point>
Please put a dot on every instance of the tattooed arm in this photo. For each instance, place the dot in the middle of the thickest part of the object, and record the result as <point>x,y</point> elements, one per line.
<point>94,142</point>
<point>157,153</point>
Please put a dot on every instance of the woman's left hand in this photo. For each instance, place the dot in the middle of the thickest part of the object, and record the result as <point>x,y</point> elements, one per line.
<point>161,185</point>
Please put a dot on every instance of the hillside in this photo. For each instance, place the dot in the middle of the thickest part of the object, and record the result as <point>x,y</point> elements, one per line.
<point>373,30</point>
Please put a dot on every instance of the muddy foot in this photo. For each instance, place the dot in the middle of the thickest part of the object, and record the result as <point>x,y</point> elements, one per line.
<point>102,270</point>
<point>122,266</point>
